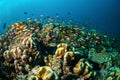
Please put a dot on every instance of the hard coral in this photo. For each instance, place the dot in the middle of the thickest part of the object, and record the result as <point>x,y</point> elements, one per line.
<point>68,57</point>
<point>45,73</point>
<point>28,42</point>
<point>61,49</point>
<point>54,63</point>
<point>20,56</point>
<point>84,69</point>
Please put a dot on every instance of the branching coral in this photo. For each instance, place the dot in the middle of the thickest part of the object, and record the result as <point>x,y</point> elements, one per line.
<point>21,55</point>
<point>28,42</point>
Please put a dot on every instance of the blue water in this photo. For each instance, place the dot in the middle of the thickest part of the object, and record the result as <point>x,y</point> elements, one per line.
<point>102,15</point>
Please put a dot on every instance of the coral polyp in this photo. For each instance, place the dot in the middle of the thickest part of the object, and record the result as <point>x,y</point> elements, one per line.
<point>30,50</point>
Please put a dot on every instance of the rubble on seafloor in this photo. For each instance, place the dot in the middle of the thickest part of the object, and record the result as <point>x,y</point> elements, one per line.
<point>30,50</point>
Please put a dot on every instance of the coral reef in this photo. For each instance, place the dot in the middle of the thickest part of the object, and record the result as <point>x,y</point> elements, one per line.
<point>67,63</point>
<point>30,50</point>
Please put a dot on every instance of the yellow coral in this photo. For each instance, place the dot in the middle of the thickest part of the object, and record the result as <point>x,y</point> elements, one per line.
<point>62,48</point>
<point>78,67</point>
<point>64,45</point>
<point>68,57</point>
<point>84,69</point>
<point>46,73</point>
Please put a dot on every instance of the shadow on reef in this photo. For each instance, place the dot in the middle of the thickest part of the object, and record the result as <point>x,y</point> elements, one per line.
<point>30,50</point>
